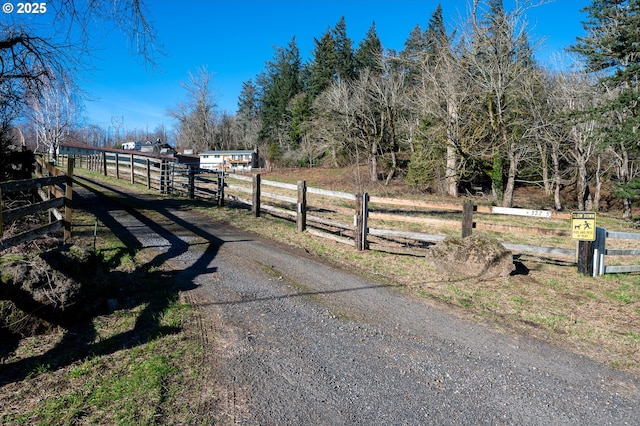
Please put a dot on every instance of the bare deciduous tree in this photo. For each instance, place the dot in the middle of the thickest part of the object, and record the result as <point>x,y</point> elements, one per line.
<point>196,116</point>
<point>33,58</point>
<point>500,64</point>
<point>52,112</point>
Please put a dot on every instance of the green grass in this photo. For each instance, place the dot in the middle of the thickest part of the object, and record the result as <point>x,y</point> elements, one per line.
<point>131,394</point>
<point>626,293</point>
<point>135,386</point>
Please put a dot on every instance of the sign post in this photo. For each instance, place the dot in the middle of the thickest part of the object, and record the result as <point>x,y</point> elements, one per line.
<point>583,229</point>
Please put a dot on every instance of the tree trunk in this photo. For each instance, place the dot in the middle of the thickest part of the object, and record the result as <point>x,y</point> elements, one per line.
<point>544,164</point>
<point>556,177</point>
<point>596,194</point>
<point>627,205</point>
<point>509,189</point>
<point>497,184</point>
<point>582,187</point>
<point>373,167</point>
<point>394,166</point>
<point>625,177</point>
<point>451,173</point>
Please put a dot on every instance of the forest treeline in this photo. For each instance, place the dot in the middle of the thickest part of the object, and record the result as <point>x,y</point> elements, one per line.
<point>453,109</point>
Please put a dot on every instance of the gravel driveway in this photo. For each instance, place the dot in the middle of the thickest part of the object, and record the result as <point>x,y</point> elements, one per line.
<point>296,341</point>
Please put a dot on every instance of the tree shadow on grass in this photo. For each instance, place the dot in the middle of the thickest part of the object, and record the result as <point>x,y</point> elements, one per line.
<point>148,286</point>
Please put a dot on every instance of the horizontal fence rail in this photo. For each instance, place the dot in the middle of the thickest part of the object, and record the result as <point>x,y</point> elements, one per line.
<point>601,252</point>
<point>53,198</point>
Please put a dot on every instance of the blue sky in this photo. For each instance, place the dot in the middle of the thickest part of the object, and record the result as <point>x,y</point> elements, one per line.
<point>234,39</point>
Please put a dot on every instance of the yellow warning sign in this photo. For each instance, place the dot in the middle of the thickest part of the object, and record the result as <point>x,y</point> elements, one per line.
<point>583,226</point>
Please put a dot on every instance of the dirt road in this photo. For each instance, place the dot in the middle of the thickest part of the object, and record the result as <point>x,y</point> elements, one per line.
<point>296,341</point>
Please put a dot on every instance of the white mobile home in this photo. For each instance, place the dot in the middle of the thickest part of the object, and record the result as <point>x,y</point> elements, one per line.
<point>240,160</point>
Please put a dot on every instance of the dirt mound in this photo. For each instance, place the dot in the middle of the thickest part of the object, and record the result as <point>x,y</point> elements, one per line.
<point>53,288</point>
<point>474,256</point>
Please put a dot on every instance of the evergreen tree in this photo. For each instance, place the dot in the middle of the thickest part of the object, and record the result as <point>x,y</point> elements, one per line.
<point>414,46</point>
<point>280,84</point>
<point>248,103</point>
<point>439,89</point>
<point>435,39</point>
<point>345,60</point>
<point>411,56</point>
<point>248,115</point>
<point>323,69</point>
<point>369,52</point>
<point>611,47</point>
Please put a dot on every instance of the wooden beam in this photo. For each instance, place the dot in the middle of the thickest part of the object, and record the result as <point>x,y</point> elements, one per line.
<point>5,243</point>
<point>9,216</point>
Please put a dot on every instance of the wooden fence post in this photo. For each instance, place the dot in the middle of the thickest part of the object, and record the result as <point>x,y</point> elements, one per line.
<point>163,177</point>
<point>192,182</point>
<point>362,212</point>
<point>148,174</point>
<point>38,169</point>
<point>467,218</point>
<point>221,189</point>
<point>117,166</point>
<point>104,163</point>
<point>50,190</point>
<point>585,257</point>
<point>301,218</point>
<point>133,178</point>
<point>255,205</point>
<point>68,195</point>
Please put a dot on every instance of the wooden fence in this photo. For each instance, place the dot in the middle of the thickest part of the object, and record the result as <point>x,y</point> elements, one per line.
<point>55,188</point>
<point>399,224</point>
<point>156,173</point>
<point>389,224</point>
<point>378,221</point>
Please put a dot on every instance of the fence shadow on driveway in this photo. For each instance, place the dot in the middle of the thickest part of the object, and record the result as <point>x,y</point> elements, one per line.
<point>149,285</point>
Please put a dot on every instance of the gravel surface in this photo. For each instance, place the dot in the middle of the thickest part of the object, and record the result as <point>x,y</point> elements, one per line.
<point>296,341</point>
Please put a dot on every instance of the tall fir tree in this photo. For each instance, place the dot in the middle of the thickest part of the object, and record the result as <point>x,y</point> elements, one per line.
<point>345,60</point>
<point>611,47</point>
<point>248,115</point>
<point>322,70</point>
<point>281,83</point>
<point>410,57</point>
<point>248,104</point>
<point>435,37</point>
<point>369,52</point>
